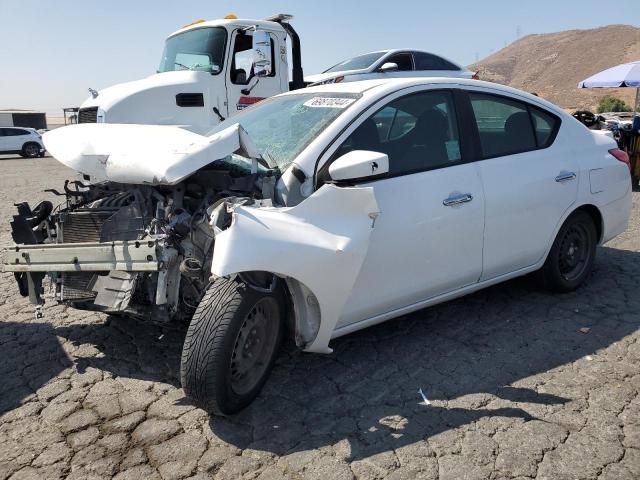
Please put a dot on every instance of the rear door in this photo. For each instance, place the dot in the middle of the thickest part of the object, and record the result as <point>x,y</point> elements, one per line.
<point>529,178</point>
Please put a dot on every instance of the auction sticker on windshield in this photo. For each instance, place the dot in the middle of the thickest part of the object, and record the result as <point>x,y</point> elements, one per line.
<point>329,102</point>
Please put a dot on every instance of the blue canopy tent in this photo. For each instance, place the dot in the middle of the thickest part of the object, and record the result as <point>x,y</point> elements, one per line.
<point>624,75</point>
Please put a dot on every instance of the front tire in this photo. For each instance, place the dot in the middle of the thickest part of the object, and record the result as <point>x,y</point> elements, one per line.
<point>231,345</point>
<point>572,254</point>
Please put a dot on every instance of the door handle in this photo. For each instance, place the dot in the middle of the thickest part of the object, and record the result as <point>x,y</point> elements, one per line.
<point>565,177</point>
<point>457,199</point>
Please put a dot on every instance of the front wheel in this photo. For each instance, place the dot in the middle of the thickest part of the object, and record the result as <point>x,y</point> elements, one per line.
<point>572,254</point>
<point>231,345</point>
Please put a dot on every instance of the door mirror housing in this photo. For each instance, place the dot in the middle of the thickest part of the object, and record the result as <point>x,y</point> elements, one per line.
<point>359,164</point>
<point>262,60</point>
<point>389,67</point>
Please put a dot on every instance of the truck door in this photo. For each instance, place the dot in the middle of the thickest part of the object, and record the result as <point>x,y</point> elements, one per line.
<point>244,88</point>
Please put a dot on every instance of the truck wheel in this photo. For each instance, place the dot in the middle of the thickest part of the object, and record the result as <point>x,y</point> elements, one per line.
<point>30,150</point>
<point>572,254</point>
<point>231,345</point>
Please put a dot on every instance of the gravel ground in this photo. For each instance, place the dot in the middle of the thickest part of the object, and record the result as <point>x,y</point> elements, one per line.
<point>519,388</point>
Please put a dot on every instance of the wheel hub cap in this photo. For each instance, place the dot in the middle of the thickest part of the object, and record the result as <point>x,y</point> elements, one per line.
<point>254,345</point>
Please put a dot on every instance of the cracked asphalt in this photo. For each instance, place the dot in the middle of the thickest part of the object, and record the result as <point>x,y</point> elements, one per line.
<point>522,383</point>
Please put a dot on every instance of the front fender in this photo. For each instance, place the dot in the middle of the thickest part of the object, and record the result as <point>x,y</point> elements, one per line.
<point>320,242</point>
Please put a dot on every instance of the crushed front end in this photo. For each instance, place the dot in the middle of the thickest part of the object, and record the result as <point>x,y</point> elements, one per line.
<point>141,250</point>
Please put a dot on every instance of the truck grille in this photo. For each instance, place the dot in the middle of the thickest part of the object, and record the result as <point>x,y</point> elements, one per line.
<point>83,226</point>
<point>88,115</point>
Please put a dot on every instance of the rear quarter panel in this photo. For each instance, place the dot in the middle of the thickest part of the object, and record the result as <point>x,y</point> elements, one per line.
<point>604,181</point>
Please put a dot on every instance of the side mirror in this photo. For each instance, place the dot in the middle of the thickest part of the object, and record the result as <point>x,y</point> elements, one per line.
<point>388,67</point>
<point>359,164</point>
<point>262,61</point>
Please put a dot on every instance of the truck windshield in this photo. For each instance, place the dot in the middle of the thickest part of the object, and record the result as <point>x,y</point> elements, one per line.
<point>356,63</point>
<point>281,127</point>
<point>200,49</point>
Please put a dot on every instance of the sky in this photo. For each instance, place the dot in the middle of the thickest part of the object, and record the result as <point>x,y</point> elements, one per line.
<point>52,51</point>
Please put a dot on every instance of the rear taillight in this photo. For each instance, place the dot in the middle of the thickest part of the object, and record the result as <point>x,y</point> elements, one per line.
<point>476,76</point>
<point>621,155</point>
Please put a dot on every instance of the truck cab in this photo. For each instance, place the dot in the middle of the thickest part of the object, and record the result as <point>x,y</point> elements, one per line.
<point>209,70</point>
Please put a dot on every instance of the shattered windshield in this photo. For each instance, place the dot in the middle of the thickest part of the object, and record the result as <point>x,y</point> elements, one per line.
<point>201,49</point>
<point>357,63</point>
<point>281,127</point>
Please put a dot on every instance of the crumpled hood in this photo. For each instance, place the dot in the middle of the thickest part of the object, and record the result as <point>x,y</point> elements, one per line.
<point>143,154</point>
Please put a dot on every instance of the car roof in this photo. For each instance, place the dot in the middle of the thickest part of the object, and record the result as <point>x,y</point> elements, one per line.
<point>381,87</point>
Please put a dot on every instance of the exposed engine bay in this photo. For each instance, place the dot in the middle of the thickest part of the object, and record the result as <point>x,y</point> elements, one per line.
<point>167,231</point>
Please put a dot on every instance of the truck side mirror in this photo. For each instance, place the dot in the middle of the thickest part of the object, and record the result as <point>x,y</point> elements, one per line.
<point>262,60</point>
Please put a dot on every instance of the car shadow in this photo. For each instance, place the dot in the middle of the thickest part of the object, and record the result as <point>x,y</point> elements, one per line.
<point>474,358</point>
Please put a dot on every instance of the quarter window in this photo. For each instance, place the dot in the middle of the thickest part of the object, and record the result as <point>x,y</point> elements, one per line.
<point>545,125</point>
<point>418,132</point>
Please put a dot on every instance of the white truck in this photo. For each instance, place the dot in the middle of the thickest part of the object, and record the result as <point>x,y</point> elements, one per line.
<point>209,71</point>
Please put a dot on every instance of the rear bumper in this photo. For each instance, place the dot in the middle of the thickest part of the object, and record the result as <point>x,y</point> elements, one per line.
<point>128,256</point>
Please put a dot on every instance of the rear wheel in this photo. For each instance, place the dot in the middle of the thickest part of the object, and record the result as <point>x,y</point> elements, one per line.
<point>30,150</point>
<point>572,254</point>
<point>231,345</point>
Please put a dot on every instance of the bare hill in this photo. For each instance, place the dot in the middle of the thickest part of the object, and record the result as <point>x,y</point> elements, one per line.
<point>552,64</point>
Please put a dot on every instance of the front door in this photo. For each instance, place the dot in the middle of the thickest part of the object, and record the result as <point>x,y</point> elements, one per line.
<point>427,239</point>
<point>244,88</point>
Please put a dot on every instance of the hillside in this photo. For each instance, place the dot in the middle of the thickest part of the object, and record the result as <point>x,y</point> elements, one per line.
<point>552,64</point>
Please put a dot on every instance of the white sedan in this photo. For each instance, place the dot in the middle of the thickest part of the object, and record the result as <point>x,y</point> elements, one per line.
<point>350,204</point>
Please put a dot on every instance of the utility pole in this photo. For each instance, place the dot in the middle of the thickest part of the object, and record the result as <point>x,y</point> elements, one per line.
<point>518,32</point>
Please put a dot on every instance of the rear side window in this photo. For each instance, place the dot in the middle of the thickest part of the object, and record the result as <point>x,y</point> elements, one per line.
<point>507,126</point>
<point>428,61</point>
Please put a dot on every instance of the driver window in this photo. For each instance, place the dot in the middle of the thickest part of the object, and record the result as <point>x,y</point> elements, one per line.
<point>418,132</point>
<point>242,68</point>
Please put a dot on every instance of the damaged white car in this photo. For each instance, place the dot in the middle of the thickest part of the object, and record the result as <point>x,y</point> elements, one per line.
<point>317,213</point>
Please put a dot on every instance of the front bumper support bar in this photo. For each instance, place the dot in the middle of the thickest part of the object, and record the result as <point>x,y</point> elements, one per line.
<point>129,256</point>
